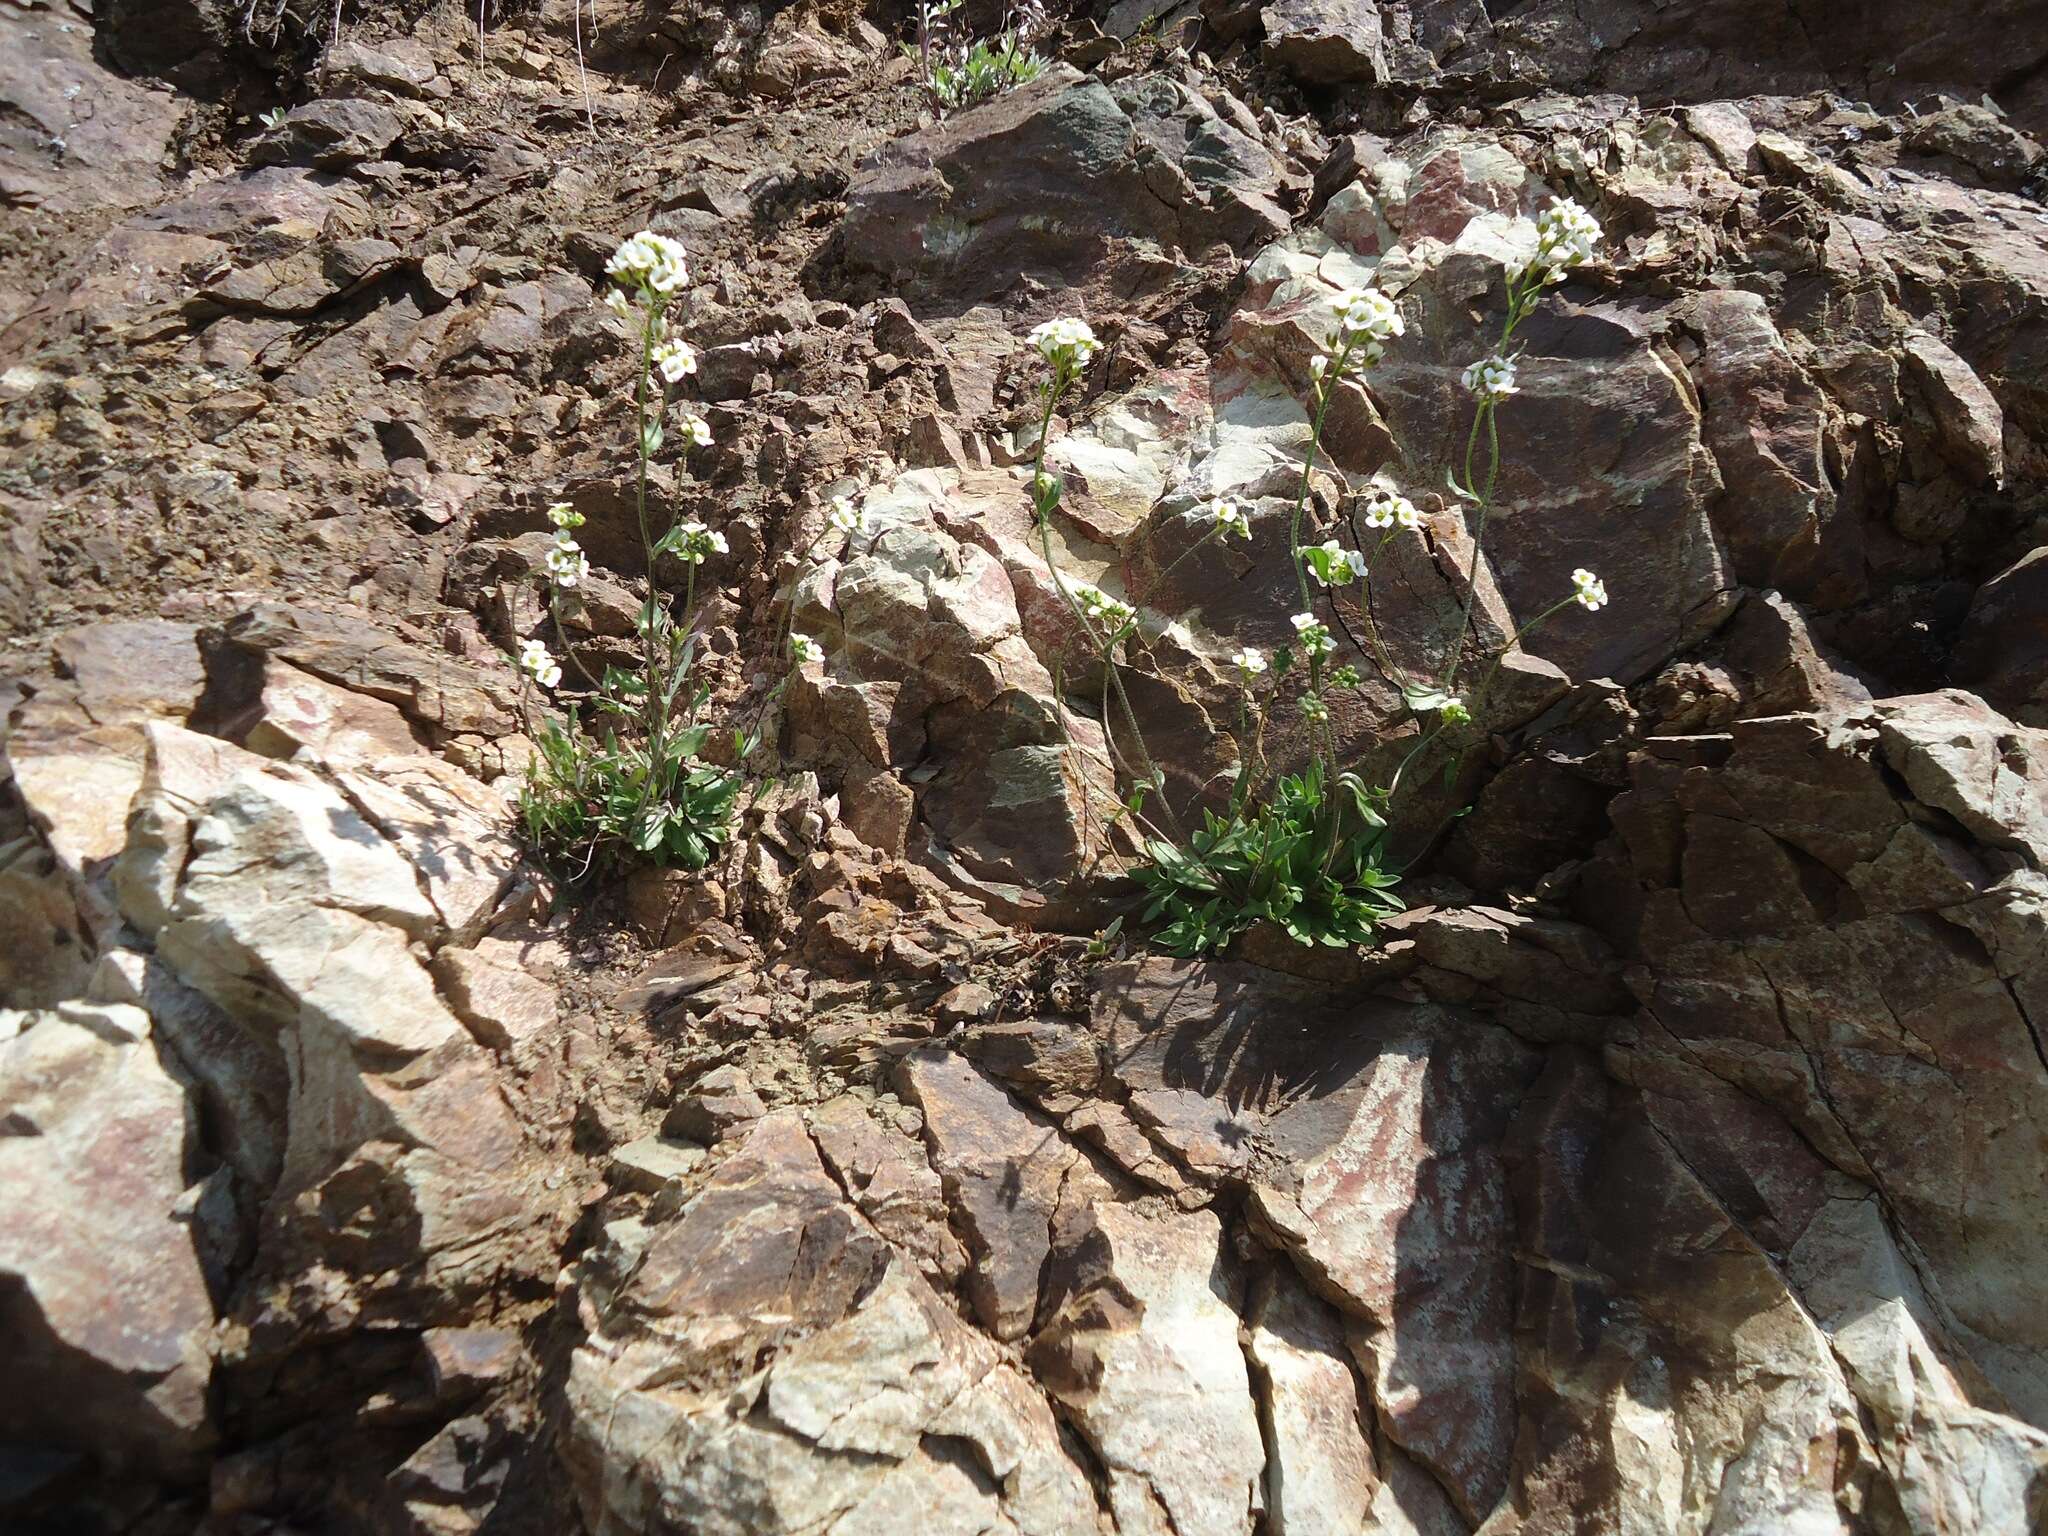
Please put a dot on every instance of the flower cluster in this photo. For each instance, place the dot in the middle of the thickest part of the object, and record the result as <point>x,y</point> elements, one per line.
<point>845,517</point>
<point>695,430</point>
<point>1332,564</point>
<point>675,358</point>
<point>692,542</point>
<point>805,649</point>
<point>1251,661</point>
<point>537,664</point>
<point>1385,508</point>
<point>1227,516</point>
<point>566,562</point>
<point>1588,590</point>
<point>1566,235</point>
<point>1366,321</point>
<point>1314,709</point>
<point>1313,634</point>
<point>1111,612</point>
<point>1491,378</point>
<point>651,262</point>
<point>1068,344</point>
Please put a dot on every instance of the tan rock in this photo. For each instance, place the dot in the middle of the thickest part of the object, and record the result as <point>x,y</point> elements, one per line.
<point>1006,1176</point>
<point>105,1301</point>
<point>1320,1480</point>
<point>1141,1348</point>
<point>822,1381</point>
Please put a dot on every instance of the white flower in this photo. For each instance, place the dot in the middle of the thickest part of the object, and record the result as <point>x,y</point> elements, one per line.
<point>563,515</point>
<point>695,429</point>
<point>1227,515</point>
<point>1104,609</point>
<point>1315,639</point>
<point>675,358</point>
<point>1565,236</point>
<point>1369,313</point>
<point>846,517</point>
<point>692,542</point>
<point>1390,509</point>
<point>805,649</point>
<point>1332,564</point>
<point>1491,378</point>
<point>566,561</point>
<point>537,664</point>
<point>1318,366</point>
<point>616,301</point>
<point>650,261</point>
<point>1250,661</point>
<point>1065,343</point>
<point>1589,591</point>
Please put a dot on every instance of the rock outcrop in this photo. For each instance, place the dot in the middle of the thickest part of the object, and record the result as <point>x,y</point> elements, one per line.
<point>1672,1165</point>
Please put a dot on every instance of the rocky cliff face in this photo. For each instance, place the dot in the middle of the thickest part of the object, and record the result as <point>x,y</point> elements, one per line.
<point>1674,1165</point>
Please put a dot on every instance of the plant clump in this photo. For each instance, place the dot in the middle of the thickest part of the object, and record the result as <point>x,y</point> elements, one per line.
<point>635,785</point>
<point>960,73</point>
<point>1307,850</point>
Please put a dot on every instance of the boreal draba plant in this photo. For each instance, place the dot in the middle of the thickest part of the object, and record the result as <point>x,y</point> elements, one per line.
<point>1307,850</point>
<point>633,784</point>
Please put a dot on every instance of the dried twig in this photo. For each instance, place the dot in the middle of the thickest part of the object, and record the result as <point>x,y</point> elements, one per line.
<point>576,10</point>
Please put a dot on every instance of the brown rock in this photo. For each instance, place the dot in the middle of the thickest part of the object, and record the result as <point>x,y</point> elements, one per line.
<point>2003,648</point>
<point>1005,1174</point>
<point>777,1368</point>
<point>1967,418</point>
<point>106,1299</point>
<point>722,1101</point>
<point>1320,1480</point>
<point>494,991</point>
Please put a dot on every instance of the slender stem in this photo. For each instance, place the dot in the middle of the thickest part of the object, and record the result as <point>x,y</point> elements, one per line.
<point>1482,414</point>
<point>576,11</point>
<point>1175,563</point>
<point>1394,673</point>
<point>1476,708</point>
<point>1103,644</point>
<point>1521,301</point>
<point>1326,388</point>
<point>561,636</point>
<point>1514,643</point>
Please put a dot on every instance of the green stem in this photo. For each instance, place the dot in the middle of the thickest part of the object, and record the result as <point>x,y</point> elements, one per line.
<point>1476,708</point>
<point>1521,302</point>
<point>1326,389</point>
<point>1514,643</point>
<point>1175,564</point>
<point>1103,644</point>
<point>1482,414</point>
<point>562,638</point>
<point>653,710</point>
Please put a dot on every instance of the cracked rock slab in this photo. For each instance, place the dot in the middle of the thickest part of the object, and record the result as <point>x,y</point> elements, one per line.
<point>767,1364</point>
<point>1141,1350</point>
